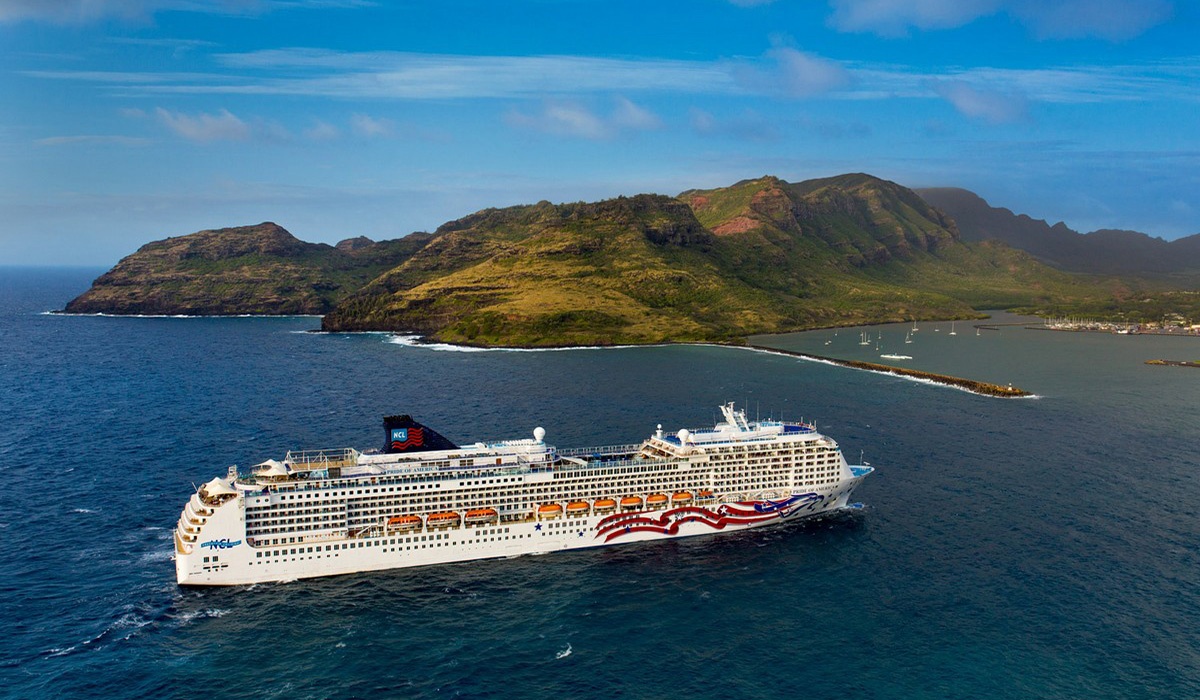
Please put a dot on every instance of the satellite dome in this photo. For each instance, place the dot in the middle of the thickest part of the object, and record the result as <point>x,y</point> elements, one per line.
<point>683,436</point>
<point>539,433</point>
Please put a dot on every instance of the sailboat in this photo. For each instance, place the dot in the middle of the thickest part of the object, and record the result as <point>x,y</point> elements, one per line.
<point>952,331</point>
<point>908,338</point>
<point>865,340</point>
<point>915,329</point>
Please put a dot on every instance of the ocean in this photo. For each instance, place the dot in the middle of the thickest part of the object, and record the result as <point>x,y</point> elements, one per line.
<point>1008,548</point>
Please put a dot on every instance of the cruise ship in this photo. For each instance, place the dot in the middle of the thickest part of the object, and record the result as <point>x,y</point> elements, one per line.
<point>423,500</point>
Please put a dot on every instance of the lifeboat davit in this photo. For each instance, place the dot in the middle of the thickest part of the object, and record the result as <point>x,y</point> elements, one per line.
<point>631,503</point>
<point>681,498</point>
<point>404,523</point>
<point>447,519</point>
<point>604,505</point>
<point>549,510</point>
<point>481,516</point>
<point>656,500</point>
<point>578,508</point>
<point>704,496</point>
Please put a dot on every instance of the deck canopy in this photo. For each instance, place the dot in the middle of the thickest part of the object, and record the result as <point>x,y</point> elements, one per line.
<point>271,468</point>
<point>218,487</point>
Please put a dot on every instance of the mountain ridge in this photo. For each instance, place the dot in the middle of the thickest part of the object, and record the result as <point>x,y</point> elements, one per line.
<point>1104,251</point>
<point>760,256</point>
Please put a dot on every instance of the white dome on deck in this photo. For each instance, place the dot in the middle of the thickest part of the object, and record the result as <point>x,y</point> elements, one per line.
<point>271,467</point>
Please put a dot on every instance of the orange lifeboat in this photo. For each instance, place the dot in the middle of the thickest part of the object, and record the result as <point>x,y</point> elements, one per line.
<point>447,519</point>
<point>404,522</point>
<point>656,500</point>
<point>604,505</point>
<point>681,497</point>
<point>631,503</point>
<point>578,508</point>
<point>704,496</point>
<point>480,516</point>
<point>549,510</point>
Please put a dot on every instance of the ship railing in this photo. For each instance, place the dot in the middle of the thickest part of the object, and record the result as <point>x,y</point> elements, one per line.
<point>605,451</point>
<point>315,460</point>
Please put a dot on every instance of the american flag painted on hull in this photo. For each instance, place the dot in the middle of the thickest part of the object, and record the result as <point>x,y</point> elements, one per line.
<point>668,522</point>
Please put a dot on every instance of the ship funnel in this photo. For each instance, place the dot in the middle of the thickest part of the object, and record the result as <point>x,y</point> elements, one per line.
<point>403,434</point>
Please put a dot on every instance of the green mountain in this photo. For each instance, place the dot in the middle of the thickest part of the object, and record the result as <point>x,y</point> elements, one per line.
<point>760,256</point>
<point>245,270</point>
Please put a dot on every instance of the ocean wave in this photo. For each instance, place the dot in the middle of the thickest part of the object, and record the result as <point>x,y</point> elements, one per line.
<point>83,510</point>
<point>564,653</point>
<point>104,315</point>
<point>414,341</point>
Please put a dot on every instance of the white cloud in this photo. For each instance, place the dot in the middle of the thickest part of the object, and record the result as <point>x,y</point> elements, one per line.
<point>573,119</point>
<point>203,127</point>
<point>791,73</point>
<point>896,17</point>
<point>322,131</point>
<point>371,127</point>
<point>780,72</point>
<point>628,115</point>
<point>990,106</point>
<point>1114,20</point>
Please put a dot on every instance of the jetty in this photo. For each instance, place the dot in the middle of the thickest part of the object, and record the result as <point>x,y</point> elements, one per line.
<point>1174,363</point>
<point>983,388</point>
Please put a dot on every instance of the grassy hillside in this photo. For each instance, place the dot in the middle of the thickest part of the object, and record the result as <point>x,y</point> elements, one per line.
<point>760,256</point>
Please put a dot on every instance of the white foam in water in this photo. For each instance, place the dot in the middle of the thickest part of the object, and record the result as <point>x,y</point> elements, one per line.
<point>157,555</point>
<point>83,510</point>
<point>564,653</point>
<point>102,315</point>
<point>414,341</point>
<point>191,615</point>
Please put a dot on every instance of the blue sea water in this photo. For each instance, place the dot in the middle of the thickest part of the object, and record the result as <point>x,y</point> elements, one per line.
<point>1035,548</point>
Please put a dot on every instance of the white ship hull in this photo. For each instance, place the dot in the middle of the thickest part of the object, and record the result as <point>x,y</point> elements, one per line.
<point>213,546</point>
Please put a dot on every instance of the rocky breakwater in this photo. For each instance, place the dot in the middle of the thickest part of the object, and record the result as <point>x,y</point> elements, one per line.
<point>975,387</point>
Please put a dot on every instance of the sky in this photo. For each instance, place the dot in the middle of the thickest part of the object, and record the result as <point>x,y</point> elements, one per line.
<point>126,121</point>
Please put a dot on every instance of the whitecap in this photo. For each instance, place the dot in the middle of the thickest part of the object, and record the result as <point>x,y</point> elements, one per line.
<point>191,615</point>
<point>83,510</point>
<point>564,653</point>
